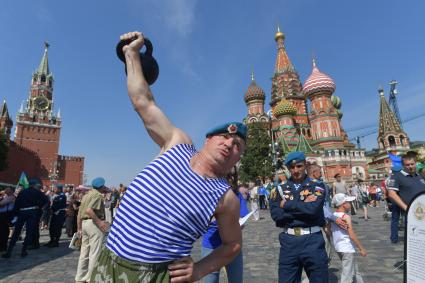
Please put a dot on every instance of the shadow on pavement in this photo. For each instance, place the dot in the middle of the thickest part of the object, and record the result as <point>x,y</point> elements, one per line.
<point>34,258</point>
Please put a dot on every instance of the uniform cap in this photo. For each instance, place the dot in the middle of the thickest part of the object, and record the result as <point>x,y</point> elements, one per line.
<point>294,157</point>
<point>396,167</point>
<point>229,128</point>
<point>35,182</point>
<point>98,182</point>
<point>339,199</point>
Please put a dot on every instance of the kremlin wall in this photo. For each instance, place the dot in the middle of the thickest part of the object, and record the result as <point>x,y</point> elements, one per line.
<point>34,149</point>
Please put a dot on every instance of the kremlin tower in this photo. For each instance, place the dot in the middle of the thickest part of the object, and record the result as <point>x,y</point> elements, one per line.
<point>35,148</point>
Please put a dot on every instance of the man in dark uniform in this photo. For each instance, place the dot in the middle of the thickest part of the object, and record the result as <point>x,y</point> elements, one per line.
<point>27,207</point>
<point>405,184</point>
<point>297,207</point>
<point>58,209</point>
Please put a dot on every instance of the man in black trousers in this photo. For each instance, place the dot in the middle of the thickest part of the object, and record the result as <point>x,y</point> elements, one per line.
<point>58,209</point>
<point>27,208</point>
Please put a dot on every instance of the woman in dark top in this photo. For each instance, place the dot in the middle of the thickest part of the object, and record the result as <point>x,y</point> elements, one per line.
<point>71,214</point>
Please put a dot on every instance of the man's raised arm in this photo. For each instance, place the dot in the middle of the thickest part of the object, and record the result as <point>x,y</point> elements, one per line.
<point>159,127</point>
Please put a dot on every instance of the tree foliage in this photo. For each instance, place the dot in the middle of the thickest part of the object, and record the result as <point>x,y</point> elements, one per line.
<point>4,150</point>
<point>256,161</point>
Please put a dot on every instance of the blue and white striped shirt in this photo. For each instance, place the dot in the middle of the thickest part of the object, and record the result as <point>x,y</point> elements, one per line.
<point>165,209</point>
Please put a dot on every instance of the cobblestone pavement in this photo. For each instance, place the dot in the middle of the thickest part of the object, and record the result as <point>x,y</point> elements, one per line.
<point>261,250</point>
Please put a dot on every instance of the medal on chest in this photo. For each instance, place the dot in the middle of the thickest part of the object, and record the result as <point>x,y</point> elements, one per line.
<point>304,194</point>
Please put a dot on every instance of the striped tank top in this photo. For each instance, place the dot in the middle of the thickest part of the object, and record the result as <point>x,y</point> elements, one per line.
<point>165,209</point>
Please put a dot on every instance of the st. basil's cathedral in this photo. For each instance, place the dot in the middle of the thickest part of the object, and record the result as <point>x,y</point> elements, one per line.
<point>317,131</point>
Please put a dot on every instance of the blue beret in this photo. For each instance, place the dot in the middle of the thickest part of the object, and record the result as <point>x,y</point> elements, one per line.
<point>59,186</point>
<point>34,182</point>
<point>98,182</point>
<point>396,167</point>
<point>294,157</point>
<point>229,128</point>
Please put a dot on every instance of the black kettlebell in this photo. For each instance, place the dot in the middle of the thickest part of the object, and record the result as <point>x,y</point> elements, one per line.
<point>149,65</point>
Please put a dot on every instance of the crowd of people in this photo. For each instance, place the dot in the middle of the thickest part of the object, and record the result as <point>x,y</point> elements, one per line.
<point>43,208</point>
<point>145,232</point>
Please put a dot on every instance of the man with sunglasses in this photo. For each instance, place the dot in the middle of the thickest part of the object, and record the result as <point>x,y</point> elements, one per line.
<point>297,207</point>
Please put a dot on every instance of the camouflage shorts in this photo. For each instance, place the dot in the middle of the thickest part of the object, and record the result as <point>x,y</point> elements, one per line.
<point>111,268</point>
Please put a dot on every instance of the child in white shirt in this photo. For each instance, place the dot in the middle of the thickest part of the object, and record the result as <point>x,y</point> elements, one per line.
<point>344,240</point>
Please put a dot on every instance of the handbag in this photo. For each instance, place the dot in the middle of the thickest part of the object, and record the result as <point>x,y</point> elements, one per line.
<point>75,243</point>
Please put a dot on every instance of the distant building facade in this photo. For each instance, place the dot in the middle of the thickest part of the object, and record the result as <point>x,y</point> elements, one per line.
<point>35,147</point>
<point>317,131</point>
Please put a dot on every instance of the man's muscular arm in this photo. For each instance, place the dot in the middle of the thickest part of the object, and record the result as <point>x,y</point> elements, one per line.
<point>227,215</point>
<point>159,127</point>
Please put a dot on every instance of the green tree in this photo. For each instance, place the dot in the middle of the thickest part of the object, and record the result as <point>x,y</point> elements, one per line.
<point>256,160</point>
<point>4,150</point>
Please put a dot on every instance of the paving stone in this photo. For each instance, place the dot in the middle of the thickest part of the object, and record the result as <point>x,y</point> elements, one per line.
<point>260,248</point>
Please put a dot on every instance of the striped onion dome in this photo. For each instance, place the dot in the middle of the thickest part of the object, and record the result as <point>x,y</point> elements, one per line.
<point>284,107</point>
<point>254,92</point>
<point>318,81</point>
<point>336,101</point>
<point>339,113</point>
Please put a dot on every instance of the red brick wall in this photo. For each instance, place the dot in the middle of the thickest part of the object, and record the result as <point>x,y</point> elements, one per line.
<point>42,140</point>
<point>20,160</point>
<point>71,169</point>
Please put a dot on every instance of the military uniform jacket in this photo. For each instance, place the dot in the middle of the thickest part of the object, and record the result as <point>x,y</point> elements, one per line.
<point>296,212</point>
<point>58,203</point>
<point>30,198</point>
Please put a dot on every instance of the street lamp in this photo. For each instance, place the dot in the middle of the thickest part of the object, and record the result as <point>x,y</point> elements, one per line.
<point>53,174</point>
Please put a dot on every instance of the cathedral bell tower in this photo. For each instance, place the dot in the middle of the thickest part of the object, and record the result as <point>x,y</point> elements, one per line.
<point>37,127</point>
<point>286,84</point>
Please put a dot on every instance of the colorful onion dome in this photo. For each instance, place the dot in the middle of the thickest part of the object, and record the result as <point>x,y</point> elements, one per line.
<point>318,81</point>
<point>284,107</point>
<point>279,35</point>
<point>339,113</point>
<point>254,92</point>
<point>336,101</point>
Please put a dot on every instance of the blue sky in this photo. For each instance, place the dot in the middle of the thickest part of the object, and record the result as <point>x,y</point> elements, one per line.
<point>206,50</point>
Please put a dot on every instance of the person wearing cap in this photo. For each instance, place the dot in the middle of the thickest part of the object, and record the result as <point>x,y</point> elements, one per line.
<point>58,209</point>
<point>27,207</point>
<point>345,240</point>
<point>91,228</point>
<point>405,184</point>
<point>172,201</point>
<point>315,174</point>
<point>297,208</point>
